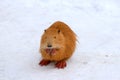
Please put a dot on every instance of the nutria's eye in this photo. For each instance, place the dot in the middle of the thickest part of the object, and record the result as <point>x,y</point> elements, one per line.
<point>58,31</point>
<point>54,37</point>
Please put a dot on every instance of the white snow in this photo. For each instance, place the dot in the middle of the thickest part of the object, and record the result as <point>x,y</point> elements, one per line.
<point>96,23</point>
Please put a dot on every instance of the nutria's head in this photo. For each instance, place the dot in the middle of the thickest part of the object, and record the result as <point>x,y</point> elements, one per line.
<point>52,41</point>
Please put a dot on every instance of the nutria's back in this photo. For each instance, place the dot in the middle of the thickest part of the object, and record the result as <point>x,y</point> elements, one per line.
<point>67,39</point>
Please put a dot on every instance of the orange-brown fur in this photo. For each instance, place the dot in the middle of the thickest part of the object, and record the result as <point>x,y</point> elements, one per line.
<point>64,41</point>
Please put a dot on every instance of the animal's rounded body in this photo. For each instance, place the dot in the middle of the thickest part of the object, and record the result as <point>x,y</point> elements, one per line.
<point>57,44</point>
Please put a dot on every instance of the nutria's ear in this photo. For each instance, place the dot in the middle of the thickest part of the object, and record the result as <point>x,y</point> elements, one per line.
<point>58,31</point>
<point>45,30</point>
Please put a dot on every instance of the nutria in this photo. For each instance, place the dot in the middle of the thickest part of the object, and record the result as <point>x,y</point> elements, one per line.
<point>57,44</point>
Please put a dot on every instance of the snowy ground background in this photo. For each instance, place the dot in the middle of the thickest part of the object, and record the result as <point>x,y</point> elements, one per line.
<point>96,22</point>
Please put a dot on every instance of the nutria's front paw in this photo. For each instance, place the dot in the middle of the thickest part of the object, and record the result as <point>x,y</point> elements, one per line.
<point>44,62</point>
<point>61,64</point>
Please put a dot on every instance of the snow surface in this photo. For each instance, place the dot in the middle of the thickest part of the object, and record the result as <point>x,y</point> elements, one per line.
<point>96,23</point>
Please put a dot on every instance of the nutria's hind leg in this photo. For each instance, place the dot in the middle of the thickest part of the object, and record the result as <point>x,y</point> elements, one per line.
<point>61,64</point>
<point>44,62</point>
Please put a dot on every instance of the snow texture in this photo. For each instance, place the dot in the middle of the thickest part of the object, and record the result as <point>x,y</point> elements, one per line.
<point>96,23</point>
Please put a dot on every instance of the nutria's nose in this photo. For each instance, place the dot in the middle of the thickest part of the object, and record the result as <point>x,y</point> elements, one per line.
<point>49,45</point>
